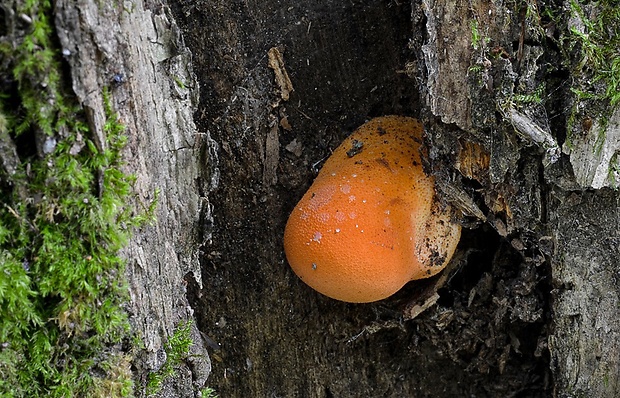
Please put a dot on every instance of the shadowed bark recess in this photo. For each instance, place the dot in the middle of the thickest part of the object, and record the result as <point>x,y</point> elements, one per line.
<point>348,62</point>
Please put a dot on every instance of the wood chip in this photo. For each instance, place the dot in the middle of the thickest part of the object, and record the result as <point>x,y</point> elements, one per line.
<point>276,62</point>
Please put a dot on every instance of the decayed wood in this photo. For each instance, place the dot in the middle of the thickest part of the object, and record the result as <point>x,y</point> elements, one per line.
<point>273,335</point>
<point>583,226</point>
<point>139,56</point>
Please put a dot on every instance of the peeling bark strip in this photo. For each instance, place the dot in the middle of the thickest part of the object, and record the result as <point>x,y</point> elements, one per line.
<point>528,129</point>
<point>78,25</point>
<point>140,56</point>
<point>595,154</point>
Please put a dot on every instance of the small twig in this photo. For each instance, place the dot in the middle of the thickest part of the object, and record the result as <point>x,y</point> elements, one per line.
<point>531,131</point>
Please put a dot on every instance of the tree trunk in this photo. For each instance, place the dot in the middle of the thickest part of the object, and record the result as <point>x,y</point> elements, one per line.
<point>532,306</point>
<point>139,52</point>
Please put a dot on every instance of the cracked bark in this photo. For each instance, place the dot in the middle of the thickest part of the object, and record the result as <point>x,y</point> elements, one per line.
<point>140,56</point>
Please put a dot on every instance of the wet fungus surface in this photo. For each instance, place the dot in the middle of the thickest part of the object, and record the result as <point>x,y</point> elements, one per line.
<point>371,221</point>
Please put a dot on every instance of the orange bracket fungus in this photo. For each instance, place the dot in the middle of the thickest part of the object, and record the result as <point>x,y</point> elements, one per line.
<point>371,221</point>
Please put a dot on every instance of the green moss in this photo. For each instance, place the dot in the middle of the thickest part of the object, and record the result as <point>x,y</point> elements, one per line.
<point>116,380</point>
<point>478,41</point>
<point>598,49</point>
<point>63,220</point>
<point>179,82</point>
<point>208,392</point>
<point>592,44</point>
<point>177,349</point>
<point>535,97</point>
<point>475,34</point>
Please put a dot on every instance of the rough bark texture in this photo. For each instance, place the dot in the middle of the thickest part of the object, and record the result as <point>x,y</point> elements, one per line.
<point>542,205</point>
<point>593,140</point>
<point>585,343</point>
<point>531,309</point>
<point>138,53</point>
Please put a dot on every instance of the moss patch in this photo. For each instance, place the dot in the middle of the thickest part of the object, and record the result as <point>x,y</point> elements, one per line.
<point>63,219</point>
<point>177,349</point>
<point>598,37</point>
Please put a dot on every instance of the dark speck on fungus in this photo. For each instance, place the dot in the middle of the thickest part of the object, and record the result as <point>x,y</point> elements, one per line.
<point>356,147</point>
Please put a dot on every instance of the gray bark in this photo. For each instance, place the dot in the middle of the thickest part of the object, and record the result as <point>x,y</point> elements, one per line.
<point>139,54</point>
<point>584,345</point>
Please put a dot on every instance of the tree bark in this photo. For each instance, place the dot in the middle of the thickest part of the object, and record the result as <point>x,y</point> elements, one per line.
<point>532,306</point>
<point>549,206</point>
<point>139,54</point>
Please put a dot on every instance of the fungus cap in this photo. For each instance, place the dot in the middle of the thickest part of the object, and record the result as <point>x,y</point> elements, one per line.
<point>371,222</point>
